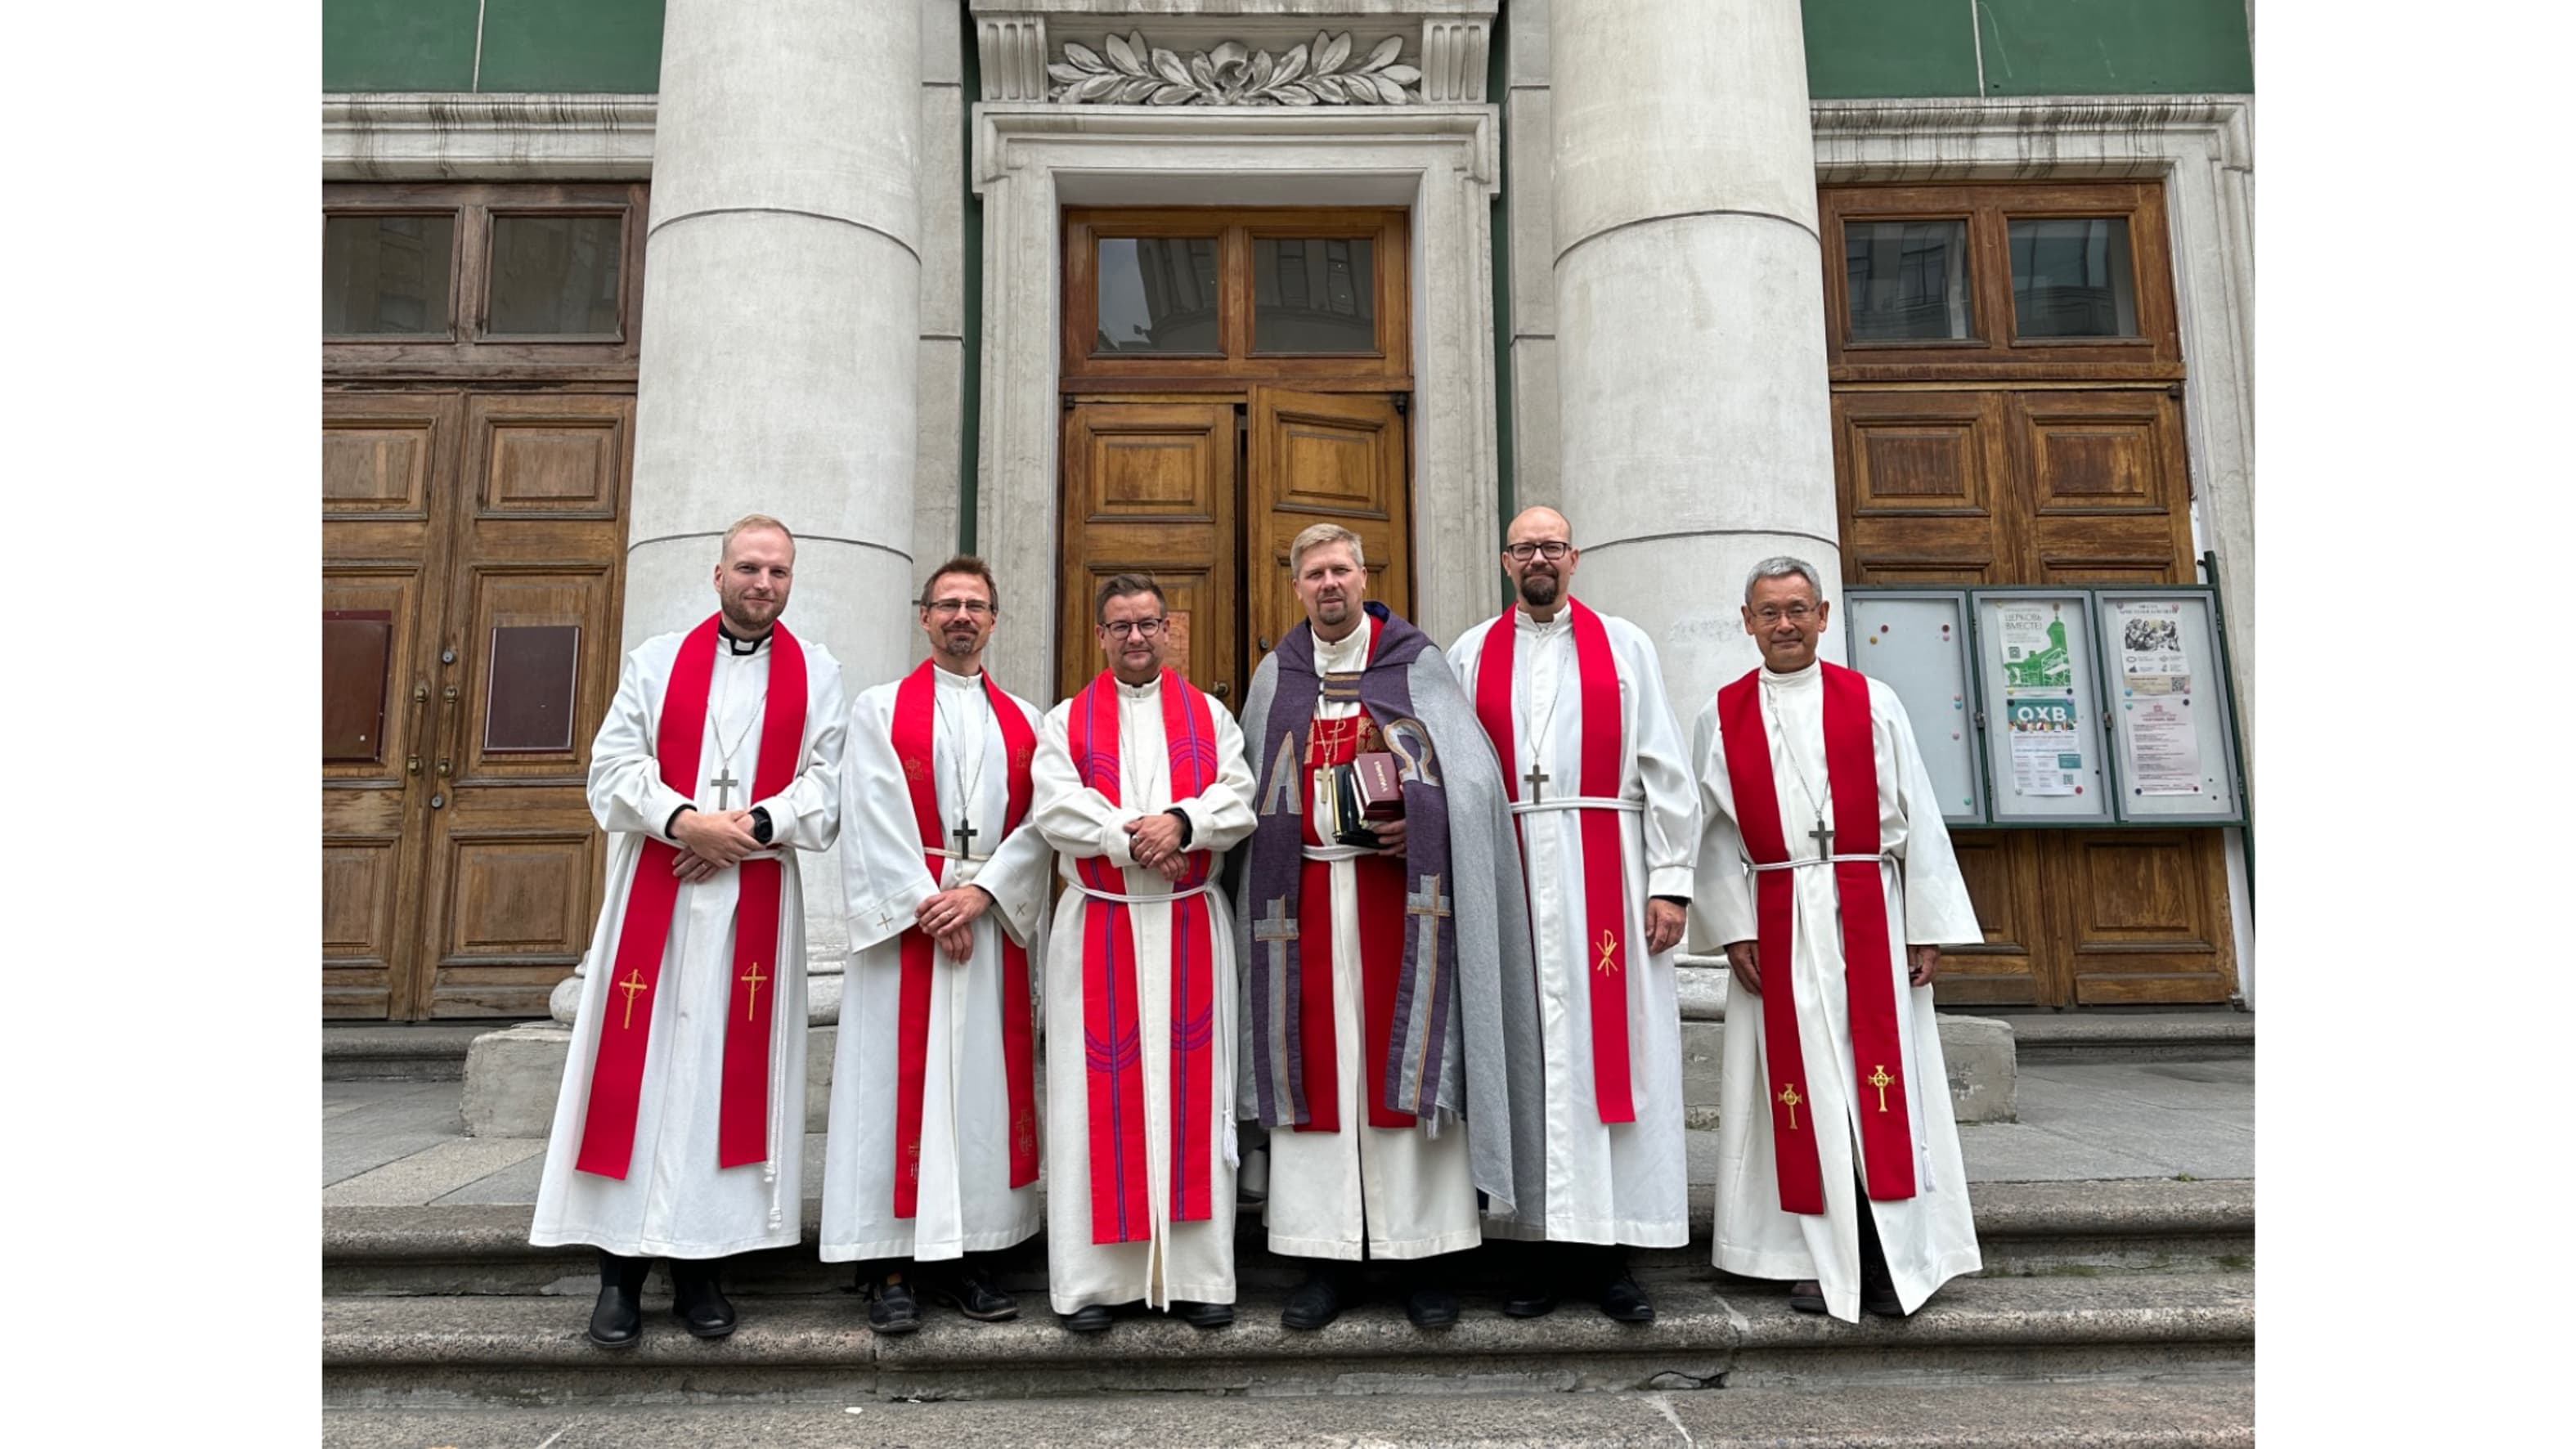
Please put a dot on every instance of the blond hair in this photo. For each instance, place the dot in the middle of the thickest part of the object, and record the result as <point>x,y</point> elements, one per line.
<point>746,524</point>
<point>1317,535</point>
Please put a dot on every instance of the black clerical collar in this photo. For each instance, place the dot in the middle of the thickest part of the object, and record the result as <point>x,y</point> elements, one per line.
<point>739,647</point>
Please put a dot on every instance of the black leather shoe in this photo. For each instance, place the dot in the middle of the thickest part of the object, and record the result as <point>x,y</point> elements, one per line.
<point>1807,1296</point>
<point>1429,1307</point>
<point>1092,1319</point>
<point>1878,1294</point>
<point>1316,1302</point>
<point>618,1319</point>
<point>891,1306</point>
<point>696,1300</point>
<point>1202,1315</point>
<point>1623,1300</point>
<point>971,1293</point>
<point>1531,1301</point>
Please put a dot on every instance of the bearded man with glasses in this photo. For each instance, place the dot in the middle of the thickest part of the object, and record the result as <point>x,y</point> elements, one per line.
<point>932,1152</point>
<point>1825,874</point>
<point>1608,821</point>
<point>1141,785</point>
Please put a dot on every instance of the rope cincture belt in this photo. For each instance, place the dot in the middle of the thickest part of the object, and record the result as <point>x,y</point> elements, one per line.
<point>1165,899</point>
<point>1823,860</point>
<point>1577,802</point>
<point>954,855</point>
<point>1330,853</point>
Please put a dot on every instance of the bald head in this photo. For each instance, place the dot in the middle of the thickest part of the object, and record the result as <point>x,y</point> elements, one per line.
<point>1539,558</point>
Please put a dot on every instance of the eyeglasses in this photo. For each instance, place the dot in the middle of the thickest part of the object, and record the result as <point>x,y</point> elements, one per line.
<point>1551,550</point>
<point>1141,628</point>
<point>951,608</point>
<point>1773,613</point>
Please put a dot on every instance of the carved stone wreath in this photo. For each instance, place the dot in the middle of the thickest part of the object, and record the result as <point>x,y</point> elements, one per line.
<point>1133,73</point>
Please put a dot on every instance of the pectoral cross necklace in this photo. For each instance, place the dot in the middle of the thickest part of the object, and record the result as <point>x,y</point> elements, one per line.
<point>1539,738</point>
<point>725,782</point>
<point>962,749</point>
<point>1823,834</point>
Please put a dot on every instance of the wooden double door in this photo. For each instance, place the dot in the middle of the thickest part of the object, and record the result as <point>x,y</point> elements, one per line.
<point>1203,493</point>
<point>473,540</point>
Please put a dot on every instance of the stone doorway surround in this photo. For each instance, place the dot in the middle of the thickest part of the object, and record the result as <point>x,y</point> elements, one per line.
<point>1436,153</point>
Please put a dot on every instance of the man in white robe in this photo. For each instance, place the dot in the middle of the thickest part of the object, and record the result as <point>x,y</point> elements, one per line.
<point>1147,849</point>
<point>1617,1174</point>
<point>639,1176</point>
<point>933,1147</point>
<point>1796,1108</point>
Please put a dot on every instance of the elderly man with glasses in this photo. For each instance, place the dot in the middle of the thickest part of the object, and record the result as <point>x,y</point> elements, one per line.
<point>1826,876</point>
<point>1141,785</point>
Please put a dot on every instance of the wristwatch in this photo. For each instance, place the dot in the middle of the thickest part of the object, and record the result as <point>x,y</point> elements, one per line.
<point>760,823</point>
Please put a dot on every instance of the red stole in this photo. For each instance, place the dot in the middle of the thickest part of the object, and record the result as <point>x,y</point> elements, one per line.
<point>1378,882</point>
<point>914,709</point>
<point>617,1072</point>
<point>1605,897</point>
<point>1878,1066</point>
<point>1113,1047</point>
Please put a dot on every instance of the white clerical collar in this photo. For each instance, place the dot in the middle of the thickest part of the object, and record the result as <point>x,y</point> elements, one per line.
<point>950,679</point>
<point>1146,690</point>
<point>1813,674</point>
<point>1346,655</point>
<point>739,648</point>
<point>1531,623</point>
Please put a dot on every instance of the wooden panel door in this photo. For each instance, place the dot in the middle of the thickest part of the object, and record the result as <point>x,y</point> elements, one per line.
<point>1318,457</point>
<point>527,665</point>
<point>1927,491</point>
<point>388,468</point>
<point>1150,488</point>
<point>2104,480</point>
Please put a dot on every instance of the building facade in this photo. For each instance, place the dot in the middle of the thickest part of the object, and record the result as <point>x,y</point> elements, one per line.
<point>1927,291</point>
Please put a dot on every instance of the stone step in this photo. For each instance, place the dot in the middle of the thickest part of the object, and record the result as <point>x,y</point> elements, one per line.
<point>2066,1229</point>
<point>2102,1035</point>
<point>2198,1413</point>
<point>525,1351</point>
<point>429,1051</point>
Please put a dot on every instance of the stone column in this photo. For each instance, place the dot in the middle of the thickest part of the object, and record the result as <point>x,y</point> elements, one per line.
<point>1696,432</point>
<point>780,334</point>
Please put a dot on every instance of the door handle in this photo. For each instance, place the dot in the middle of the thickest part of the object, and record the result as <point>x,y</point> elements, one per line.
<point>447,712</point>
<point>1222,689</point>
<point>1261,642</point>
<point>411,736</point>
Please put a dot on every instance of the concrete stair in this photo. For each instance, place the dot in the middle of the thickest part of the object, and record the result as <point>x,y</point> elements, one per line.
<point>2111,1034</point>
<point>2173,1414</point>
<point>429,1051</point>
<point>2129,1302</point>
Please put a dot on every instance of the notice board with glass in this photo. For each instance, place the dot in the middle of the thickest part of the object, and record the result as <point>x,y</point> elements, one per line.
<point>2060,706</point>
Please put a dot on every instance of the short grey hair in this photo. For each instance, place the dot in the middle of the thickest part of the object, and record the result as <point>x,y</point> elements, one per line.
<point>1318,535</point>
<point>1781,566</point>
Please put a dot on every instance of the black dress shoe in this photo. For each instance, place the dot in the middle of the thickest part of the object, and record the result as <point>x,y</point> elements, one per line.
<point>1316,1302</point>
<point>1530,1302</point>
<point>1807,1296</point>
<point>1429,1307</point>
<point>1091,1319</point>
<point>696,1300</point>
<point>1623,1300</point>
<point>618,1319</point>
<point>891,1306</point>
<point>1202,1315</point>
<point>1878,1294</point>
<point>970,1292</point>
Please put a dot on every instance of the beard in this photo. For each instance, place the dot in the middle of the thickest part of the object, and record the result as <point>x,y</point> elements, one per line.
<point>1538,590</point>
<point>747,616</point>
<point>957,643</point>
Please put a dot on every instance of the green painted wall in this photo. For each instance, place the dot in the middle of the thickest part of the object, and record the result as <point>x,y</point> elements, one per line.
<point>1860,48</point>
<point>2114,47</point>
<point>572,45</point>
<point>398,45</point>
<point>1855,48</point>
<point>1889,48</point>
<point>527,45</point>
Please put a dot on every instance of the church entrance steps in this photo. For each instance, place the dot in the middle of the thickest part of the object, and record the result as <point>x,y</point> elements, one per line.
<point>2060,1229</point>
<point>527,1351</point>
<point>2215,1035</point>
<point>2203,1414</point>
<point>427,1052</point>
